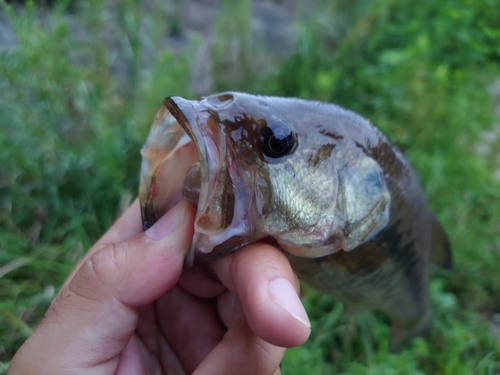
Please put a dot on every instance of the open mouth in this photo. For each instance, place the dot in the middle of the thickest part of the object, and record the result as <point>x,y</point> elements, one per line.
<point>185,157</point>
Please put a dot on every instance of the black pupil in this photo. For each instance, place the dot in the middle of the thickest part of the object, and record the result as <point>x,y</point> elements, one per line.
<point>277,141</point>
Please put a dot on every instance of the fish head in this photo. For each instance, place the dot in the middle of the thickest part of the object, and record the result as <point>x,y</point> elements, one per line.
<point>262,167</point>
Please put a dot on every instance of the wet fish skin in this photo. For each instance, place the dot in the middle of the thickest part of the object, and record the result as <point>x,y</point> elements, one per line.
<point>344,204</point>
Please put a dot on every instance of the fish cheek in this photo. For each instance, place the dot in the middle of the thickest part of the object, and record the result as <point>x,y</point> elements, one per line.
<point>363,200</point>
<point>303,220</point>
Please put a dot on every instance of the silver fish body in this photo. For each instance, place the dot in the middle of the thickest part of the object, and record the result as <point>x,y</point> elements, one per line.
<point>321,181</point>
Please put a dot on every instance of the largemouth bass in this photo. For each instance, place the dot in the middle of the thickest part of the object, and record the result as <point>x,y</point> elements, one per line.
<point>322,182</point>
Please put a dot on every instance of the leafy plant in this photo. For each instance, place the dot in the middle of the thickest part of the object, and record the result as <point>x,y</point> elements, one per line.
<point>70,137</point>
<point>75,108</point>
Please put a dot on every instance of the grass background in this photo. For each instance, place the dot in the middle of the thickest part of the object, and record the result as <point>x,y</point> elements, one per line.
<point>72,125</point>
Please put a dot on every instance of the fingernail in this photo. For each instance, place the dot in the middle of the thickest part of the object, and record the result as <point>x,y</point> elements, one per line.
<point>283,294</point>
<point>168,222</point>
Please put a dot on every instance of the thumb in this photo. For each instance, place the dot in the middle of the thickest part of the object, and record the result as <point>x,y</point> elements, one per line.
<point>138,270</point>
<point>94,316</point>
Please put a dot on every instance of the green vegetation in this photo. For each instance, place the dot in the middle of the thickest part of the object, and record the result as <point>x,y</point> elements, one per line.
<point>70,135</point>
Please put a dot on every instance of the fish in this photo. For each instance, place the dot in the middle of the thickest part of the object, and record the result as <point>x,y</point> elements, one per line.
<point>319,181</point>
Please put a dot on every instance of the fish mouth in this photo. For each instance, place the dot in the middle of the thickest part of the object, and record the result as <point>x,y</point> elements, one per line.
<point>208,181</point>
<point>192,122</point>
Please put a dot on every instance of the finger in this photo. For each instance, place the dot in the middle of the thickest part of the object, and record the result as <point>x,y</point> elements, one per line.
<point>128,225</point>
<point>129,360</point>
<point>241,351</point>
<point>265,283</point>
<point>190,324</point>
<point>200,281</point>
<point>225,306</point>
<point>93,317</point>
<point>155,349</point>
<point>169,181</point>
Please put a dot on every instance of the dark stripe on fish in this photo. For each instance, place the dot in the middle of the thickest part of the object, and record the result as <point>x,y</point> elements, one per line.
<point>404,254</point>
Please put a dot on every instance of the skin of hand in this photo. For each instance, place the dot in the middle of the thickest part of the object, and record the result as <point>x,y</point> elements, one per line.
<point>129,307</point>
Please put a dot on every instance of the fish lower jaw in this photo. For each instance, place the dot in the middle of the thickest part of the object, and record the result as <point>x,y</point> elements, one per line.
<point>205,241</point>
<point>311,251</point>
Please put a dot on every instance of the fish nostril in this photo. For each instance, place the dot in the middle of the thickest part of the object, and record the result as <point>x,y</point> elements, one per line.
<point>225,97</point>
<point>220,101</point>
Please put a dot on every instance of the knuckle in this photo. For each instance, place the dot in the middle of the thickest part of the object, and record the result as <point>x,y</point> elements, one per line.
<point>266,356</point>
<point>97,278</point>
<point>107,266</point>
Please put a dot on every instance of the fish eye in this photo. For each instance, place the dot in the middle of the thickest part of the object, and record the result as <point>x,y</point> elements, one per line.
<point>277,140</point>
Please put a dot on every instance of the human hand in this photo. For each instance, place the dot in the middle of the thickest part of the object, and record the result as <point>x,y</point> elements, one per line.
<point>127,309</point>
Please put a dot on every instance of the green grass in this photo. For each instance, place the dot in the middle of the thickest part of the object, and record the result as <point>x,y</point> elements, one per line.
<point>70,135</point>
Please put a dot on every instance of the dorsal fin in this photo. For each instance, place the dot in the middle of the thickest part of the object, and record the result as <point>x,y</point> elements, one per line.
<point>441,248</point>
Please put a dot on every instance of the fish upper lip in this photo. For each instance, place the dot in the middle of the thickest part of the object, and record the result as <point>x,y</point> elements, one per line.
<point>186,115</point>
<point>197,121</point>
